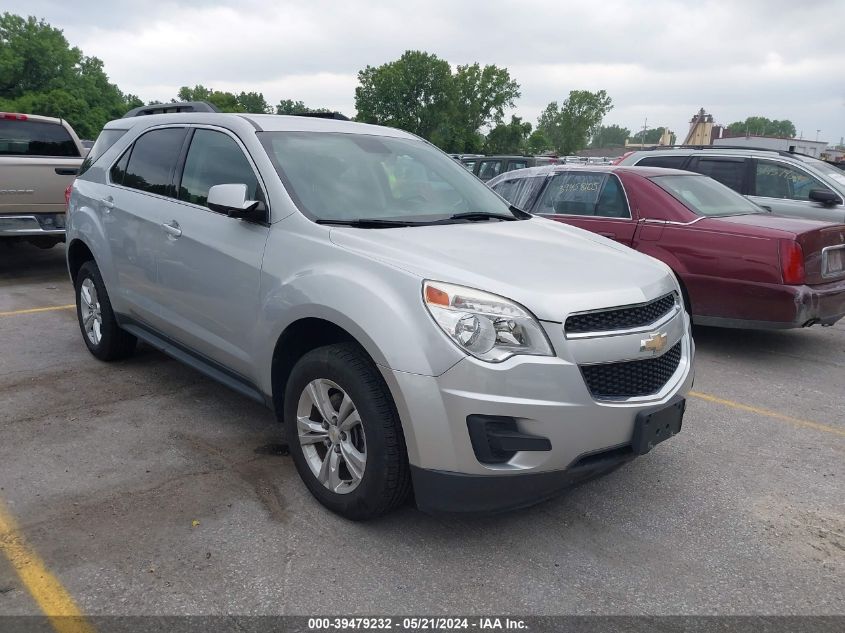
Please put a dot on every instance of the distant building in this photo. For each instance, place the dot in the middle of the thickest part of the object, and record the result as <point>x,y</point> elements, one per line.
<point>802,146</point>
<point>701,129</point>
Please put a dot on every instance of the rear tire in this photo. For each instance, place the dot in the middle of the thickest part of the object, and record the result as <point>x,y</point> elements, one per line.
<point>367,473</point>
<point>100,331</point>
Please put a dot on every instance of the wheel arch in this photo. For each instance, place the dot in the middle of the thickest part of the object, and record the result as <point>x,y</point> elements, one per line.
<point>78,253</point>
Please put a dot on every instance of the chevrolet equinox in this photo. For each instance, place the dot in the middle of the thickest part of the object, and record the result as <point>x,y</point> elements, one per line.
<point>410,329</point>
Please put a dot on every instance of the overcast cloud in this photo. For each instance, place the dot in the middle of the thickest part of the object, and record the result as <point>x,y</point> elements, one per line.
<point>659,59</point>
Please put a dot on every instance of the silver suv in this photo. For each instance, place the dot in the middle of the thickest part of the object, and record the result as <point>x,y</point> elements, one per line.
<point>785,183</point>
<point>408,327</point>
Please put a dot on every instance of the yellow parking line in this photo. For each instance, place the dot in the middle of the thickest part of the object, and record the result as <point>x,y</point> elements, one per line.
<point>36,310</point>
<point>809,424</point>
<point>52,598</point>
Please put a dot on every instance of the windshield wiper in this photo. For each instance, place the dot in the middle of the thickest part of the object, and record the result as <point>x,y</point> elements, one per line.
<point>481,215</point>
<point>369,223</point>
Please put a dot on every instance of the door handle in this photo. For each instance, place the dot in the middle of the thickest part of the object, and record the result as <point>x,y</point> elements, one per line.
<point>172,228</point>
<point>108,203</point>
<point>66,171</point>
<point>610,235</point>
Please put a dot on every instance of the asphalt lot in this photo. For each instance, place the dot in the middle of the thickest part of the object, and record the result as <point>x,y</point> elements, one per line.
<point>148,489</point>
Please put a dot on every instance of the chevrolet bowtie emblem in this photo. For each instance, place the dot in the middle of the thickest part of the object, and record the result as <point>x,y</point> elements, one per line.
<point>654,343</point>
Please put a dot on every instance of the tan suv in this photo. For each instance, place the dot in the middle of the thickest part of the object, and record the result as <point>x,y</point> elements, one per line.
<point>39,157</point>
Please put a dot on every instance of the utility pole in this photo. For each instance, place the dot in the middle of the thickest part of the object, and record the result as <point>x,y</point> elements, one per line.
<point>645,126</point>
<point>817,135</point>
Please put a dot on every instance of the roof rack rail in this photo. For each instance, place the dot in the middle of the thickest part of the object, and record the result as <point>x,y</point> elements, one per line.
<point>170,108</point>
<point>337,116</point>
<point>782,152</point>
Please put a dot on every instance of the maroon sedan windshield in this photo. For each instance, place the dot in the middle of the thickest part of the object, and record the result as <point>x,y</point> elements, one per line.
<point>705,196</point>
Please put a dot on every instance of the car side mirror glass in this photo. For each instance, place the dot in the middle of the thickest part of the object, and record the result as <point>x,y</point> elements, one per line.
<point>824,196</point>
<point>232,200</point>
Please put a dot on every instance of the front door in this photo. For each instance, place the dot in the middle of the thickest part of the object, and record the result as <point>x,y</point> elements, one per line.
<point>209,264</point>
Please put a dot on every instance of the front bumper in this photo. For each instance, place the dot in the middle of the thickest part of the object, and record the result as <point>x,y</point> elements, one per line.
<point>547,397</point>
<point>33,225</point>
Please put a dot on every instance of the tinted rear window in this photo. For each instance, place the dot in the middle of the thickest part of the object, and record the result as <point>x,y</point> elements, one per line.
<point>35,138</point>
<point>153,160</point>
<point>673,162</point>
<point>105,140</point>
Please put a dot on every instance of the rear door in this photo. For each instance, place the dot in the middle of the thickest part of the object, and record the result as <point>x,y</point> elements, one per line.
<point>594,201</point>
<point>785,189</point>
<point>133,210</point>
<point>209,264</point>
<point>731,171</point>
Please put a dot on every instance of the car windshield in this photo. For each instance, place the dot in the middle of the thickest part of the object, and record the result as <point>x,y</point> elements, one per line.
<point>351,177</point>
<point>705,196</point>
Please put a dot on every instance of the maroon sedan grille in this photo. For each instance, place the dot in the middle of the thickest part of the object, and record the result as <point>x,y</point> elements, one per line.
<point>620,318</point>
<point>634,378</point>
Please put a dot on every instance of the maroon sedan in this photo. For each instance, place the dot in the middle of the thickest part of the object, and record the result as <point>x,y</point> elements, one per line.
<point>739,265</point>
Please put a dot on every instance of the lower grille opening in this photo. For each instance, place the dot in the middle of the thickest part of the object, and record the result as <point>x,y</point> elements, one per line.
<point>631,379</point>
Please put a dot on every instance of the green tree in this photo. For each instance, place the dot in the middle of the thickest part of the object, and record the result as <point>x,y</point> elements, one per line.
<point>289,106</point>
<point>254,102</point>
<point>420,94</point>
<point>40,73</point>
<point>609,136</point>
<point>508,138</point>
<point>761,126</point>
<point>569,126</point>
<point>480,96</point>
<point>538,142</point>
<point>224,101</point>
<point>651,136</point>
<point>413,93</point>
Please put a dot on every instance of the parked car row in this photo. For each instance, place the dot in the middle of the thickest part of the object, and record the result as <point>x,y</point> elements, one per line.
<point>409,327</point>
<point>739,265</point>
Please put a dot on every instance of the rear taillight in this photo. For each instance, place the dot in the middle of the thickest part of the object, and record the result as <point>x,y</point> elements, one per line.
<point>621,158</point>
<point>67,197</point>
<point>791,262</point>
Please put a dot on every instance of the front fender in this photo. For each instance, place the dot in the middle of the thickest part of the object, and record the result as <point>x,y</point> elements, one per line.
<point>380,306</point>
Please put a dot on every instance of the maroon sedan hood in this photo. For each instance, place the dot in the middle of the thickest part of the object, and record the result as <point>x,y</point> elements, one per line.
<point>757,223</point>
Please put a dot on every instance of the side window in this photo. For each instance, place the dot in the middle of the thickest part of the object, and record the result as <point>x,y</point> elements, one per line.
<point>517,164</point>
<point>673,162</point>
<point>611,202</point>
<point>728,171</point>
<point>214,158</point>
<point>489,169</point>
<point>572,193</point>
<point>469,165</point>
<point>505,189</point>
<point>153,159</point>
<point>118,170</point>
<point>778,180</point>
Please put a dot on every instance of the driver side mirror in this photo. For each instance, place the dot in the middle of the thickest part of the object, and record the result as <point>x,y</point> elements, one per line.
<point>825,197</point>
<point>231,199</point>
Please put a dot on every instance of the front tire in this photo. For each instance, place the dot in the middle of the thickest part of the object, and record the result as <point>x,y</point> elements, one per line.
<point>344,433</point>
<point>100,331</point>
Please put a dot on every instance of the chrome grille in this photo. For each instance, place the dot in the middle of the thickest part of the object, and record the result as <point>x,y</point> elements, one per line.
<point>633,378</point>
<point>620,318</point>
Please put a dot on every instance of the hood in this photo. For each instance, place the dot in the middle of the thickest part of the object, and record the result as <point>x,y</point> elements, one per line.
<point>550,268</point>
<point>753,222</point>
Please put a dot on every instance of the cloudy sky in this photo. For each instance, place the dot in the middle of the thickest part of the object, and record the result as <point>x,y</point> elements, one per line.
<point>658,59</point>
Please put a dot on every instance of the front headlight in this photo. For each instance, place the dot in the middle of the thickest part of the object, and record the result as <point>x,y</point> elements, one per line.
<point>485,325</point>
